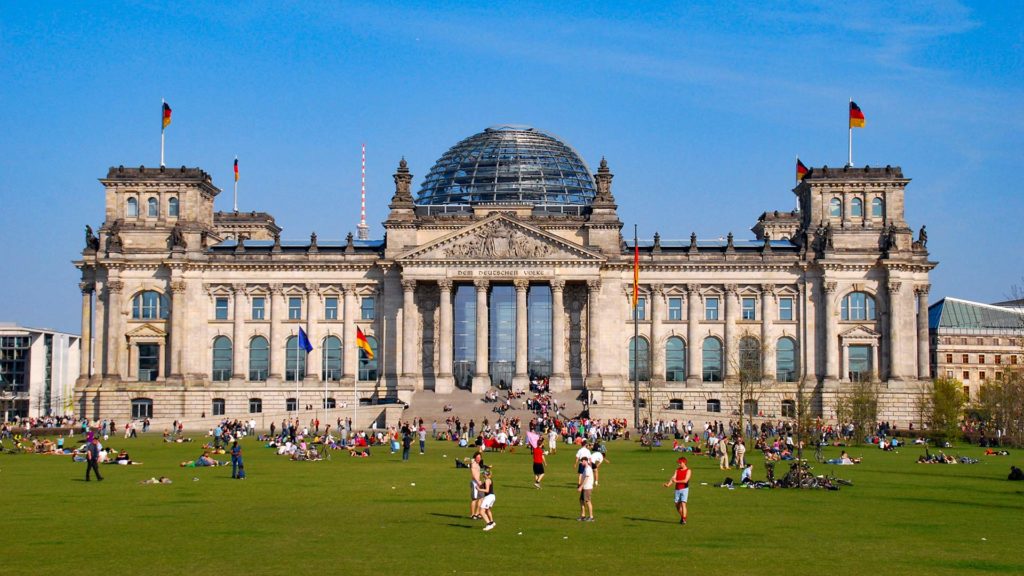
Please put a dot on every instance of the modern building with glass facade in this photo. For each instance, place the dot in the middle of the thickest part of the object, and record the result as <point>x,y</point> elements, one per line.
<point>38,372</point>
<point>509,263</point>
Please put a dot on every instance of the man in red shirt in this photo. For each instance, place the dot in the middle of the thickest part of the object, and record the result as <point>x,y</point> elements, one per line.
<point>538,465</point>
<point>681,479</point>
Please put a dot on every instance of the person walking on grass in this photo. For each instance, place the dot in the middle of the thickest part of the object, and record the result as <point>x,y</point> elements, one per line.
<point>92,459</point>
<point>585,486</point>
<point>538,464</point>
<point>681,479</point>
<point>475,469</point>
<point>487,503</point>
<point>236,461</point>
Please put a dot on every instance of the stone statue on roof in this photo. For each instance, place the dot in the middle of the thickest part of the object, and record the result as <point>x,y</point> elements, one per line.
<point>91,241</point>
<point>922,237</point>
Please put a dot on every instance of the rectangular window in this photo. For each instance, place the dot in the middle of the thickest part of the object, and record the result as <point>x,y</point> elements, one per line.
<point>981,341</point>
<point>949,374</point>
<point>221,309</point>
<point>675,308</point>
<point>711,308</point>
<point>999,375</point>
<point>259,304</point>
<point>967,391</point>
<point>291,404</point>
<point>294,308</point>
<point>967,376</point>
<point>330,308</point>
<point>785,308</point>
<point>218,406</point>
<point>14,356</point>
<point>965,359</point>
<point>999,358</point>
<point>1013,359</point>
<point>981,358</point>
<point>641,308</point>
<point>750,309</point>
<point>981,376</point>
<point>949,358</point>
<point>255,406</point>
<point>367,308</point>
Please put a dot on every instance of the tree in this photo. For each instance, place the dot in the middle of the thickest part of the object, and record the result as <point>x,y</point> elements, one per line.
<point>947,408</point>
<point>748,365</point>
<point>1001,403</point>
<point>858,405</point>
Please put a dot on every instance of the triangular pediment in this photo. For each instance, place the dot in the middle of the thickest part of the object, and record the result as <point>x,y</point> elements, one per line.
<point>859,332</point>
<point>146,331</point>
<point>500,237</point>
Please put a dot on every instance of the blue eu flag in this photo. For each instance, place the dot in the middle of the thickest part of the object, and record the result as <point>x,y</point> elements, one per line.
<point>304,341</point>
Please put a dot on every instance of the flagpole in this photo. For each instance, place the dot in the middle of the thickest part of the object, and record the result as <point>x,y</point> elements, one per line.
<point>236,183</point>
<point>849,161</point>
<point>636,344</point>
<point>162,102</point>
<point>296,377</point>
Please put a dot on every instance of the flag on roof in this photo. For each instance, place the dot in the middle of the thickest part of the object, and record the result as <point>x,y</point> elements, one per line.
<point>856,116</point>
<point>166,116</point>
<point>801,170</point>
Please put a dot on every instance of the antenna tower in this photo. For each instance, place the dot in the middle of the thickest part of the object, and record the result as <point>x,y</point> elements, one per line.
<point>363,229</point>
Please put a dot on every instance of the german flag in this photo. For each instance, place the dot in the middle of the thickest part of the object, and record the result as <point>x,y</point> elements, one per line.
<point>363,344</point>
<point>801,170</point>
<point>166,116</point>
<point>856,116</point>
<point>236,169</point>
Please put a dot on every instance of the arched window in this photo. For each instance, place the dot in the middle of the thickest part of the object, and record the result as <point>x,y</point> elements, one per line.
<point>142,408</point>
<point>785,360</point>
<point>675,360</point>
<point>877,208</point>
<point>295,360</point>
<point>368,367</point>
<point>259,359</point>
<point>332,359</point>
<point>857,208</point>
<point>172,207</point>
<point>149,305</point>
<point>639,360</point>
<point>712,356</point>
<point>835,208</point>
<point>714,405</point>
<point>675,404</point>
<point>221,359</point>
<point>154,208</point>
<point>750,359</point>
<point>133,208</point>
<point>858,306</point>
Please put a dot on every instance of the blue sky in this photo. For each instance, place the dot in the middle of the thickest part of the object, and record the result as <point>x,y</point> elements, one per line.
<point>699,108</point>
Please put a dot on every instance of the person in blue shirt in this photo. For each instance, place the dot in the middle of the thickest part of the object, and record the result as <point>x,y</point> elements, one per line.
<point>236,461</point>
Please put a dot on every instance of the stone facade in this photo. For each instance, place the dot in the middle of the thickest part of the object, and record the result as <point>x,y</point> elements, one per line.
<point>845,287</point>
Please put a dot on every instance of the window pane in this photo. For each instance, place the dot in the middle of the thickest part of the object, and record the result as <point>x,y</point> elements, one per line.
<point>221,310</point>
<point>149,362</point>
<point>294,308</point>
<point>785,308</point>
<point>860,362</point>
<point>675,360</point>
<point>331,370</point>
<point>222,364</point>
<point>133,208</point>
<point>258,307</point>
<point>154,207</point>
<point>749,309</point>
<point>835,208</point>
<point>259,359</point>
<point>538,318</point>
<point>172,207</point>
<point>642,351</point>
<point>367,308</point>
<point>367,367</point>
<point>785,360</point>
<point>330,308</point>
<point>876,208</point>
<point>712,360</point>
<point>255,405</point>
<point>295,360</point>
<point>711,309</point>
<point>857,207</point>
<point>675,308</point>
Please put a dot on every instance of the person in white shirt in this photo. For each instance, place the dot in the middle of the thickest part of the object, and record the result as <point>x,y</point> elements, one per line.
<point>582,454</point>
<point>585,486</point>
<point>596,459</point>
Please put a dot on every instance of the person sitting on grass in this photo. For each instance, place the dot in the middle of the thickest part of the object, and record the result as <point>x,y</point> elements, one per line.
<point>364,453</point>
<point>123,459</point>
<point>202,462</point>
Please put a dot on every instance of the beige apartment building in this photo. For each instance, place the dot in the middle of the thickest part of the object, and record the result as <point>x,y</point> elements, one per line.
<point>508,264</point>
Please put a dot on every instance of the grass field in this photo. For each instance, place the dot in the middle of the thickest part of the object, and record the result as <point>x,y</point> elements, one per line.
<point>365,516</point>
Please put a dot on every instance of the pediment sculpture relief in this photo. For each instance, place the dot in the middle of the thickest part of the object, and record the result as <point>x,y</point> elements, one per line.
<point>496,241</point>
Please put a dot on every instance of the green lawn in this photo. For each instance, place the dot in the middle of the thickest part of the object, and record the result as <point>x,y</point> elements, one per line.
<point>365,516</point>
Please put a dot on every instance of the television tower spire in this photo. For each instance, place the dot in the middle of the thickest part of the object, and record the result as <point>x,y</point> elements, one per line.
<point>362,228</point>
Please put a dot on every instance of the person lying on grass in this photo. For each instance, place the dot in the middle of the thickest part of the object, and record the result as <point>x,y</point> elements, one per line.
<point>202,462</point>
<point>844,460</point>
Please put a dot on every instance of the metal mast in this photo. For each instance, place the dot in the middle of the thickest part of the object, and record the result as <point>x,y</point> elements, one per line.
<point>362,228</point>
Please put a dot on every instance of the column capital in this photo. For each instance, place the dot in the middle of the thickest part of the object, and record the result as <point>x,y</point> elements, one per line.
<point>239,287</point>
<point>445,284</point>
<point>730,289</point>
<point>276,289</point>
<point>922,289</point>
<point>408,285</point>
<point>312,288</point>
<point>692,288</point>
<point>894,286</point>
<point>829,287</point>
<point>768,289</point>
<point>658,289</point>
<point>481,284</point>
<point>114,286</point>
<point>521,285</point>
<point>178,287</point>
<point>86,287</point>
<point>557,285</point>
<point>594,285</point>
<point>348,288</point>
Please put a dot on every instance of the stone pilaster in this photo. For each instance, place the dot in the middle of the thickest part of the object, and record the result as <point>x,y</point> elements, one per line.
<point>730,353</point>
<point>278,311</point>
<point>593,333</point>
<point>693,345</point>
<point>768,345</point>
<point>350,352</point>
<point>115,332</point>
<point>657,347</point>
<point>831,344</point>
<point>924,371</point>
<point>445,382</point>
<point>314,314</point>
<point>85,364</point>
<point>521,379</point>
<point>894,330</point>
<point>558,380</point>
<point>238,333</point>
<point>482,378</point>
<point>179,337</point>
<point>409,369</point>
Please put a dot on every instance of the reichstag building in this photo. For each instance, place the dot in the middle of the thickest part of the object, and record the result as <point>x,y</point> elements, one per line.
<point>508,264</point>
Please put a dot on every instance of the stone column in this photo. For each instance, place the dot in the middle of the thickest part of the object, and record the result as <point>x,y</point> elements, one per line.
<point>482,378</point>
<point>924,371</point>
<point>730,354</point>
<point>276,346</point>
<point>845,376</point>
<point>314,313</point>
<point>767,318</point>
<point>593,333</point>
<point>350,353</point>
<point>521,378</point>
<point>238,334</point>
<point>694,362</point>
<point>445,382</point>
<point>557,380</point>
<point>894,332</point>
<point>657,348</point>
<point>178,335</point>
<point>114,332</point>
<point>831,350</point>
<point>409,371</point>
<point>85,364</point>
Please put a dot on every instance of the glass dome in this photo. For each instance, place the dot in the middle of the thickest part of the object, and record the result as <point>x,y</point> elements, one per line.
<point>509,163</point>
